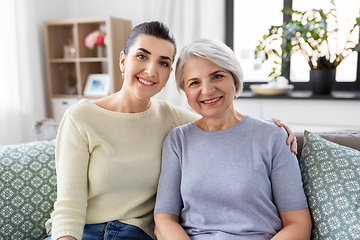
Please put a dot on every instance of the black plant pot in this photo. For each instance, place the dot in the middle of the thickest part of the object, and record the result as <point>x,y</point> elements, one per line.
<point>322,81</point>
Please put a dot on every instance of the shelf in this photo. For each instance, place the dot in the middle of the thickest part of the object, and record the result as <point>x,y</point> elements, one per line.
<point>72,60</point>
<point>63,60</point>
<point>304,95</point>
<point>69,61</point>
<point>95,59</point>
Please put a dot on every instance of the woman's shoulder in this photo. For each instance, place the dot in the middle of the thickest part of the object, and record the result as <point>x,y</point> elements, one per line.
<point>178,135</point>
<point>82,111</point>
<point>266,128</point>
<point>261,123</point>
<point>82,106</point>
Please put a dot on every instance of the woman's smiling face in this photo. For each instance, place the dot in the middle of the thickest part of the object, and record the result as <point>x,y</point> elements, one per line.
<point>147,66</point>
<point>210,90</point>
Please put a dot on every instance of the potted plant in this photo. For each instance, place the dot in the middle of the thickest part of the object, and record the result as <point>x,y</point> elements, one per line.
<point>311,33</point>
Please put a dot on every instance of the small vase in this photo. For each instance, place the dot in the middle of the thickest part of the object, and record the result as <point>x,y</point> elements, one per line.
<point>322,81</point>
<point>101,51</point>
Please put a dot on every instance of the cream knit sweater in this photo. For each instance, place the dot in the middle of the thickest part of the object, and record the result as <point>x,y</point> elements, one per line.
<point>108,165</point>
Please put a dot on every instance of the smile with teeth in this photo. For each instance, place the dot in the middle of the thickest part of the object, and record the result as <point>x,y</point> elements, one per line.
<point>211,101</point>
<point>145,82</point>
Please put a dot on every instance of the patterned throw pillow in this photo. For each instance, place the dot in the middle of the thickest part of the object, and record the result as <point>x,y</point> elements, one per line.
<point>27,189</point>
<point>331,177</point>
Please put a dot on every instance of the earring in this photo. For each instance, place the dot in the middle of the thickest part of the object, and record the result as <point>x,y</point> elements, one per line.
<point>122,75</point>
<point>164,86</point>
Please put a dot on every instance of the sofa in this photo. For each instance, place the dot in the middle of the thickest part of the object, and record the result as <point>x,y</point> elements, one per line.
<point>27,189</point>
<point>28,186</point>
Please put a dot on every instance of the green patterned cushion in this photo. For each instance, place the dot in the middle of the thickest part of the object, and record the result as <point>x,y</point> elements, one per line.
<point>27,189</point>
<point>331,176</point>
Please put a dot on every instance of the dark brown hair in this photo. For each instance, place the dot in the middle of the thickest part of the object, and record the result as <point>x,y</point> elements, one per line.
<point>154,28</point>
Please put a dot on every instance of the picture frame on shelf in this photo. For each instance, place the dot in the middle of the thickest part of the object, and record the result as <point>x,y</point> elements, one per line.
<point>97,85</point>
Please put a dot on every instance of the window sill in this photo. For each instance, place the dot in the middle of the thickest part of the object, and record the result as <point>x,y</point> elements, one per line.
<point>298,94</point>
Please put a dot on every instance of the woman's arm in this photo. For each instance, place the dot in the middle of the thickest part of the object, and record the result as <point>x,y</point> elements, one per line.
<point>167,227</point>
<point>296,225</point>
<point>72,158</point>
<point>291,138</point>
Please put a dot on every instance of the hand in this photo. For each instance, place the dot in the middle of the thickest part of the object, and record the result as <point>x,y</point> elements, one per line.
<point>167,227</point>
<point>67,238</point>
<point>296,225</point>
<point>291,139</point>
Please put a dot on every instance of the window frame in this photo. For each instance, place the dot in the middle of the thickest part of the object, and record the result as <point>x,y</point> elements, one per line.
<point>229,40</point>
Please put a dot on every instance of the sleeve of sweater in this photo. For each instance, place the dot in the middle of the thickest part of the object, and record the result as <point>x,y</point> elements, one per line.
<point>168,199</point>
<point>72,157</point>
<point>286,176</point>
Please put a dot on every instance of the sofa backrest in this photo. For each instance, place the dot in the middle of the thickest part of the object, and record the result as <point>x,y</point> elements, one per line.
<point>349,138</point>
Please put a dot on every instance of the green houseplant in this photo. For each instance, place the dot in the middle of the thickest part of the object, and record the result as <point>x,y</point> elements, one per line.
<point>311,33</point>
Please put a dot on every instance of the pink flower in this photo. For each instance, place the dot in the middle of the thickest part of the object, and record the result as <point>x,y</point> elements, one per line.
<point>100,40</point>
<point>94,38</point>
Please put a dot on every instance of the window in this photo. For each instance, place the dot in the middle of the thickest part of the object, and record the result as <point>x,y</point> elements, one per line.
<point>246,38</point>
<point>249,23</point>
<point>347,11</point>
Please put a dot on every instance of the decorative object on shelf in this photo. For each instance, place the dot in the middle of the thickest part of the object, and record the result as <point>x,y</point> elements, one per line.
<point>101,50</point>
<point>98,39</point>
<point>68,77</point>
<point>278,86</point>
<point>311,33</point>
<point>258,89</point>
<point>45,129</point>
<point>322,80</point>
<point>69,49</point>
<point>97,85</point>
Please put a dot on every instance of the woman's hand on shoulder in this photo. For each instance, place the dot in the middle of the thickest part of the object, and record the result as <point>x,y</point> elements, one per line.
<point>291,138</point>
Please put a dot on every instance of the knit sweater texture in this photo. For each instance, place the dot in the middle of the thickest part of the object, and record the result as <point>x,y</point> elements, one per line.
<point>108,165</point>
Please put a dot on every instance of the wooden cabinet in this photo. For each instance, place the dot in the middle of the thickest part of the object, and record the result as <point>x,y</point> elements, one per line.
<point>69,61</point>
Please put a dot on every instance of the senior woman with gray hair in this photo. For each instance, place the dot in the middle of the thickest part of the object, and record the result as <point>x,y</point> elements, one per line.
<point>226,175</point>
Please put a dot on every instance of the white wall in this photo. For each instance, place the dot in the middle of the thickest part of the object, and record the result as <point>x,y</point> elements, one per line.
<point>26,96</point>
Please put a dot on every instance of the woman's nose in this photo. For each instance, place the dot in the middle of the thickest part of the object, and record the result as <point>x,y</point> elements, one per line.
<point>150,69</point>
<point>207,88</point>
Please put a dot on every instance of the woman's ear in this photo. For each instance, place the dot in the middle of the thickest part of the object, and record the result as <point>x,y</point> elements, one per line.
<point>182,87</point>
<point>236,86</point>
<point>122,61</point>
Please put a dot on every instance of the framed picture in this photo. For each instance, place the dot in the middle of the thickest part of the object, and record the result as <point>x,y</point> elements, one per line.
<point>97,85</point>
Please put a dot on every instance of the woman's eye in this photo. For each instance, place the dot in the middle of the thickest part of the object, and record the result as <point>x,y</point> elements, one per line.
<point>218,76</point>
<point>141,56</point>
<point>164,64</point>
<point>193,83</point>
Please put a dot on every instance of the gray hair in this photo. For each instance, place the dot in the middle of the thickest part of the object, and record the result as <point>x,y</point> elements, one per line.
<point>214,51</point>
